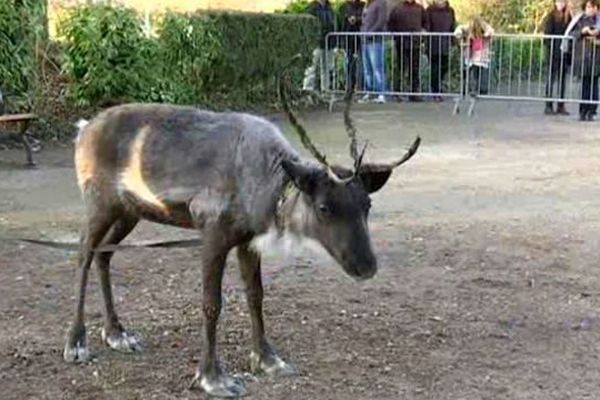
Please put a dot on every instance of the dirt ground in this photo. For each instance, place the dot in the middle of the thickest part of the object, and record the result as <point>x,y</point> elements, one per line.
<point>489,282</point>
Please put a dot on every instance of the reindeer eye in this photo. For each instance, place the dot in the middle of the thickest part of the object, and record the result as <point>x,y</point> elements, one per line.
<point>323,209</point>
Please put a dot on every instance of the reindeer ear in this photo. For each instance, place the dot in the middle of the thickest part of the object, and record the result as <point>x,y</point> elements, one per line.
<point>374,177</point>
<point>303,176</point>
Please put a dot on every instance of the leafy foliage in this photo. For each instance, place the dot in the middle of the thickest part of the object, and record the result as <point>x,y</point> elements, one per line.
<point>213,58</point>
<point>22,27</point>
<point>108,57</point>
<point>509,16</point>
<point>253,48</point>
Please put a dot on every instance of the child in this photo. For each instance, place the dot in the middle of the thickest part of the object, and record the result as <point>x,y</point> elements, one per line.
<point>475,37</point>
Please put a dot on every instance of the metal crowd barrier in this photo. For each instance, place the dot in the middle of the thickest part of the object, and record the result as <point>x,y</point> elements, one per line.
<point>395,65</point>
<point>390,66</point>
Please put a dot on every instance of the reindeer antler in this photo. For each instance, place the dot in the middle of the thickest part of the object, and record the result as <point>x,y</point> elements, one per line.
<point>390,166</point>
<point>352,133</point>
<point>351,129</point>
<point>306,141</point>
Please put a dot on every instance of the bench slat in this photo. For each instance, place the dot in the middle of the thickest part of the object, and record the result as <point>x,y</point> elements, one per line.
<point>17,117</point>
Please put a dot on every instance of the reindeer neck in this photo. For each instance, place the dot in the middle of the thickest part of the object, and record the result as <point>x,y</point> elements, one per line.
<point>290,209</point>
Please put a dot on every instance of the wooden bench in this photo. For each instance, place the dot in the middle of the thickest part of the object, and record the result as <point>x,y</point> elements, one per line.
<point>23,120</point>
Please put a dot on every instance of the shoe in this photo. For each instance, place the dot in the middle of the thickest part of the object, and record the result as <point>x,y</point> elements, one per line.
<point>415,99</point>
<point>365,99</point>
<point>590,116</point>
<point>561,110</point>
<point>380,99</point>
<point>548,110</point>
<point>438,99</point>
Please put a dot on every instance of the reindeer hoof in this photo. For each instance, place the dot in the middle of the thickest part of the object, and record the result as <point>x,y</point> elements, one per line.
<point>271,365</point>
<point>77,353</point>
<point>123,341</point>
<point>76,350</point>
<point>222,386</point>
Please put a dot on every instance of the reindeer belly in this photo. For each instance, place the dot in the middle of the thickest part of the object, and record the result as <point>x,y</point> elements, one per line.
<point>140,193</point>
<point>169,213</point>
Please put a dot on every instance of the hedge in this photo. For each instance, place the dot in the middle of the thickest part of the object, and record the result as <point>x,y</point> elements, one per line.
<point>107,56</point>
<point>253,48</point>
<point>22,27</point>
<point>214,59</point>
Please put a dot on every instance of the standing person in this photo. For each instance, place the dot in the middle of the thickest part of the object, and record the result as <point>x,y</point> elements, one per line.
<point>374,20</point>
<point>409,17</point>
<point>586,58</point>
<point>322,59</point>
<point>351,14</point>
<point>441,19</point>
<point>476,37</point>
<point>557,61</point>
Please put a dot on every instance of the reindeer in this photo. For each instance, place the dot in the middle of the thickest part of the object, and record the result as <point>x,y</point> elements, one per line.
<point>232,177</point>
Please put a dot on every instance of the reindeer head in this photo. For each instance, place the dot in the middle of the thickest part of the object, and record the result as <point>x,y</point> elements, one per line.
<point>335,199</point>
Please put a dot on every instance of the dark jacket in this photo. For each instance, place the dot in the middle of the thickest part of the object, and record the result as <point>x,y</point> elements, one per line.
<point>351,10</point>
<point>374,17</point>
<point>586,55</point>
<point>555,24</point>
<point>441,19</point>
<point>326,16</point>
<point>408,17</point>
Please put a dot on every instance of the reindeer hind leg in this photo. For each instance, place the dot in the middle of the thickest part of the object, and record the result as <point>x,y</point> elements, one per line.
<point>98,222</point>
<point>113,333</point>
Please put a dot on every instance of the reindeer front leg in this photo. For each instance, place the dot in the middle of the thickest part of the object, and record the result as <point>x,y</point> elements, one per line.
<point>212,378</point>
<point>263,357</point>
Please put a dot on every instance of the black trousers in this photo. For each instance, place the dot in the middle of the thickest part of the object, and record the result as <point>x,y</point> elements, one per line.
<point>439,70</point>
<point>477,80</point>
<point>353,56</point>
<point>589,91</point>
<point>409,65</point>
<point>557,76</point>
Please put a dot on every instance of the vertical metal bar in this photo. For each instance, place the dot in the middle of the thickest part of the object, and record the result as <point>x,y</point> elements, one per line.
<point>383,65</point>
<point>530,66</point>
<point>402,60</point>
<point>561,76</point>
<point>411,63</point>
<point>520,75</point>
<point>430,65</point>
<point>593,75</point>
<point>571,42</point>
<point>463,72</point>
<point>541,68</point>
<point>392,63</point>
<point>500,70</point>
<point>440,66</point>
<point>450,63</point>
<point>490,66</point>
<point>510,61</point>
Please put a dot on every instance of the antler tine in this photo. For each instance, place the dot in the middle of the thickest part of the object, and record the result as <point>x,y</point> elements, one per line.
<point>359,160</point>
<point>411,152</point>
<point>349,123</point>
<point>390,166</point>
<point>306,141</point>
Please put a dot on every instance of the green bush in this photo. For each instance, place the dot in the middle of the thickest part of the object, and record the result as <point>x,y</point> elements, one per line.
<point>22,27</point>
<point>214,59</point>
<point>188,50</point>
<point>108,57</point>
<point>230,58</point>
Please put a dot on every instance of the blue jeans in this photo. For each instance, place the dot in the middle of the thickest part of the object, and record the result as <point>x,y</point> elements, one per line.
<point>373,68</point>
